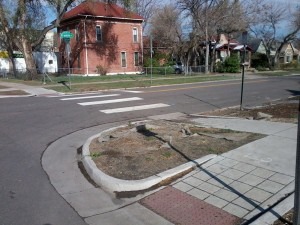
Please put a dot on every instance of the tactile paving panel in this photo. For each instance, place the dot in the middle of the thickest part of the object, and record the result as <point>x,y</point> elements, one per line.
<point>183,209</point>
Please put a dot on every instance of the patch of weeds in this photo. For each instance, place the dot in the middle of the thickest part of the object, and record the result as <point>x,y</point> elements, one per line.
<point>210,150</point>
<point>211,130</point>
<point>150,138</point>
<point>294,116</point>
<point>95,155</point>
<point>148,159</point>
<point>130,124</point>
<point>167,154</point>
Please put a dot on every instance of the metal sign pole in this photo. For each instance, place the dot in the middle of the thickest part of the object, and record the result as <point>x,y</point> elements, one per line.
<point>151,57</point>
<point>66,36</point>
<point>296,219</point>
<point>68,47</point>
<point>244,36</point>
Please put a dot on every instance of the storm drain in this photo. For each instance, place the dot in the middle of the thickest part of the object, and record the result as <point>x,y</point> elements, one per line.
<point>181,208</point>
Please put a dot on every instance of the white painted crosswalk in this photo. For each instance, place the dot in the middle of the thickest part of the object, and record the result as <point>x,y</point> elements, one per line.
<point>130,101</point>
<point>87,97</point>
<point>110,101</point>
<point>134,108</point>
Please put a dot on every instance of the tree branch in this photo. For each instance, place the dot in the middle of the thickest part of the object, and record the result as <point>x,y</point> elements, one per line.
<point>53,25</point>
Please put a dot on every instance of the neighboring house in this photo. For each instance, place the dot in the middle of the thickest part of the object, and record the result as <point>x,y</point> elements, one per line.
<point>225,48</point>
<point>45,58</point>
<point>107,39</point>
<point>49,43</point>
<point>289,53</point>
<point>257,46</point>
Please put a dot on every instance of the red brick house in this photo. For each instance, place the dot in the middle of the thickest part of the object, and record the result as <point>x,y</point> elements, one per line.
<point>107,39</point>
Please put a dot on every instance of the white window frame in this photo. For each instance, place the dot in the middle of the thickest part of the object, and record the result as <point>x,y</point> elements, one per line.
<point>122,59</point>
<point>135,35</point>
<point>100,28</point>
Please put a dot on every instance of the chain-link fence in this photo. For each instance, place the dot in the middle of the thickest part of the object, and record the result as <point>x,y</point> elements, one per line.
<point>82,74</point>
<point>164,71</point>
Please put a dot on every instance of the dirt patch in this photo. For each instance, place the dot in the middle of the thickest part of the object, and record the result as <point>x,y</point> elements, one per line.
<point>139,151</point>
<point>15,92</point>
<point>283,111</point>
<point>3,87</point>
<point>285,219</point>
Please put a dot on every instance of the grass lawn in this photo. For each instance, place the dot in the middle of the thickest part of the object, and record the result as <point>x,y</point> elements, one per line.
<point>279,72</point>
<point>142,82</point>
<point>94,83</point>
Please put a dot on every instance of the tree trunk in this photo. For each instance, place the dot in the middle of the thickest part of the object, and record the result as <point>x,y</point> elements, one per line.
<point>213,61</point>
<point>13,63</point>
<point>29,60</point>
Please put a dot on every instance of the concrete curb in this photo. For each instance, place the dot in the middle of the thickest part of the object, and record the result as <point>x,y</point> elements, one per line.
<point>113,185</point>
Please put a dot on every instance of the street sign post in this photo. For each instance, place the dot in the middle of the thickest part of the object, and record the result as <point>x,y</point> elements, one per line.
<point>66,36</point>
<point>244,38</point>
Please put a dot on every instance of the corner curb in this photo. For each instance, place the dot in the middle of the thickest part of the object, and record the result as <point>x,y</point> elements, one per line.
<point>113,185</point>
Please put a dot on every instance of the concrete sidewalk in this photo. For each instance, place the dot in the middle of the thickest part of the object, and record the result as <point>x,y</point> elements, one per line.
<point>247,183</point>
<point>31,90</point>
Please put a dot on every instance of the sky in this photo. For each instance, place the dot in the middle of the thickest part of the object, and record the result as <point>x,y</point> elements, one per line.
<point>282,28</point>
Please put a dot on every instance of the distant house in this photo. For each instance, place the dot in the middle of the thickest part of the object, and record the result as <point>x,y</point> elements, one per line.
<point>49,43</point>
<point>107,39</point>
<point>225,48</point>
<point>289,53</point>
<point>257,46</point>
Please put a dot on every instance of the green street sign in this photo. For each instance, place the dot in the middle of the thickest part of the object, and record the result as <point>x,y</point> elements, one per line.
<point>66,35</point>
<point>18,55</point>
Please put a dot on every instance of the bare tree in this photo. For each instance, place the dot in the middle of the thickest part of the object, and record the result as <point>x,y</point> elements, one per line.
<point>166,29</point>
<point>145,8</point>
<point>21,20</point>
<point>165,26</point>
<point>210,17</point>
<point>266,27</point>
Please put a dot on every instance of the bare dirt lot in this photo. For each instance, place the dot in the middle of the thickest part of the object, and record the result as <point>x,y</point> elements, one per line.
<point>281,111</point>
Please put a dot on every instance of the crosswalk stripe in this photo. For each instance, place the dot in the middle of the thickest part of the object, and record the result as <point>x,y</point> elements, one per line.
<point>86,97</point>
<point>70,95</point>
<point>110,101</point>
<point>132,91</point>
<point>134,108</point>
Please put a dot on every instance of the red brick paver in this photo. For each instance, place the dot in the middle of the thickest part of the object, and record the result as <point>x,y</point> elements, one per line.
<point>181,208</point>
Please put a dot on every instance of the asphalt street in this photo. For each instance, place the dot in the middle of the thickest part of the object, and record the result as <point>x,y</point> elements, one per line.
<point>28,125</point>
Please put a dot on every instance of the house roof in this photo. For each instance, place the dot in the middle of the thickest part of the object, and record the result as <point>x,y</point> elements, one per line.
<point>254,43</point>
<point>101,9</point>
<point>241,47</point>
